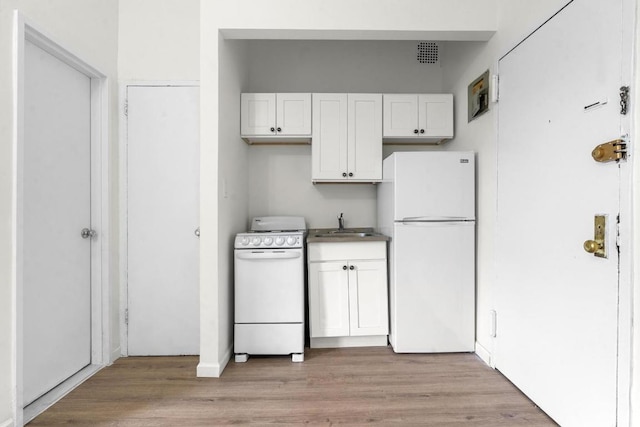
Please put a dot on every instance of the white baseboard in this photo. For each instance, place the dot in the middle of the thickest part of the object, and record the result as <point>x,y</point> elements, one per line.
<point>483,354</point>
<point>115,355</point>
<point>7,423</point>
<point>214,370</point>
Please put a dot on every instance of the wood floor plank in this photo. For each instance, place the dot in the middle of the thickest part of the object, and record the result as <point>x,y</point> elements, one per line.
<point>353,386</point>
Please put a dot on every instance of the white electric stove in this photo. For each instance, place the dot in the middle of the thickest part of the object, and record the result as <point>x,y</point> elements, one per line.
<point>269,288</point>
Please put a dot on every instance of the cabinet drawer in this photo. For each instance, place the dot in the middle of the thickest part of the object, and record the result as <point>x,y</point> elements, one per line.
<point>338,251</point>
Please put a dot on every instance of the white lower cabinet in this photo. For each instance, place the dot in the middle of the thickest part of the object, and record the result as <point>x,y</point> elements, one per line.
<point>348,302</point>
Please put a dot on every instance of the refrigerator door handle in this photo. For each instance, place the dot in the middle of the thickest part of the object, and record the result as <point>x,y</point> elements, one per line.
<point>435,219</point>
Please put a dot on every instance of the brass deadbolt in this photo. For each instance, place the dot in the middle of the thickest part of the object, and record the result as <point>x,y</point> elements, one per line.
<point>610,151</point>
<point>598,154</point>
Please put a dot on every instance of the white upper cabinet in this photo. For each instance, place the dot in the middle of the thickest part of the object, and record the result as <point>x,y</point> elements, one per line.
<point>417,118</point>
<point>347,138</point>
<point>275,117</point>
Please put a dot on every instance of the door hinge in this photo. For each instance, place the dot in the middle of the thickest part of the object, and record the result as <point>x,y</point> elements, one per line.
<point>618,242</point>
<point>624,99</point>
<point>126,316</point>
<point>126,108</point>
<point>610,151</point>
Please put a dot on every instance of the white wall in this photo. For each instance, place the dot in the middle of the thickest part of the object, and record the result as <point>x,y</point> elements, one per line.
<point>159,40</point>
<point>465,62</point>
<point>224,188</point>
<point>358,19</point>
<point>280,176</point>
<point>468,19</point>
<point>233,196</point>
<point>87,28</point>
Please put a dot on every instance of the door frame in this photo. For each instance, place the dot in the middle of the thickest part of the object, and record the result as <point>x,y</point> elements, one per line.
<point>123,193</point>
<point>24,30</point>
<point>627,370</point>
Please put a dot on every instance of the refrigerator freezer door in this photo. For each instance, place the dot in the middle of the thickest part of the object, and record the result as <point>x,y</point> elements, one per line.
<point>432,289</point>
<point>434,185</point>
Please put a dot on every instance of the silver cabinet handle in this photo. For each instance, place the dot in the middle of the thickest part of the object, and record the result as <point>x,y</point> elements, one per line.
<point>87,233</point>
<point>197,232</point>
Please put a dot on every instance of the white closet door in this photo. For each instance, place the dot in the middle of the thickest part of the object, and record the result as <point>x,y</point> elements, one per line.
<point>56,207</point>
<point>162,217</point>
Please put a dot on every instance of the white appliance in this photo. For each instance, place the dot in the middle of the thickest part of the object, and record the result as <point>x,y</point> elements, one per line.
<point>426,203</point>
<point>269,288</point>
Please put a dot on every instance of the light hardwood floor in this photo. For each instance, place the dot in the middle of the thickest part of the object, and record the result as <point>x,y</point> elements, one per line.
<point>332,386</point>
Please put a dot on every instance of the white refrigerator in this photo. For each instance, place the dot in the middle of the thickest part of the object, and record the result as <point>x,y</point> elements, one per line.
<point>426,203</point>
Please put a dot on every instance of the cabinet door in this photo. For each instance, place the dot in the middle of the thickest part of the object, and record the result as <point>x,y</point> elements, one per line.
<point>368,298</point>
<point>329,146</point>
<point>364,137</point>
<point>435,115</point>
<point>257,113</point>
<point>293,113</point>
<point>328,299</point>
<point>400,117</point>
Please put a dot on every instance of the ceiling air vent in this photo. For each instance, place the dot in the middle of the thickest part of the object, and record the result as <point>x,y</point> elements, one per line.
<point>427,52</point>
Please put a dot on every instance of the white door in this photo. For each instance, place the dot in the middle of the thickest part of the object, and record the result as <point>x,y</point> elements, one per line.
<point>267,286</point>
<point>557,305</point>
<point>258,113</point>
<point>433,287</point>
<point>293,113</point>
<point>162,218</point>
<point>400,115</point>
<point>435,115</point>
<point>368,306</point>
<point>434,185</point>
<point>56,207</point>
<point>329,299</point>
<point>329,147</point>
<point>364,136</point>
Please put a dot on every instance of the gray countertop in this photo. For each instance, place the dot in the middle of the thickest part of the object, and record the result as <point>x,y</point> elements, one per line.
<point>333,235</point>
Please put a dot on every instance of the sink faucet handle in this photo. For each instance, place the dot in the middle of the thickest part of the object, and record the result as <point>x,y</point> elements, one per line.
<point>341,221</point>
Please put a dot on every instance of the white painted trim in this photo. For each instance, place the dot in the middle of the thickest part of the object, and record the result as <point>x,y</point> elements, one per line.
<point>483,354</point>
<point>627,249</point>
<point>16,272</point>
<point>100,285</point>
<point>334,34</point>
<point>123,191</point>
<point>7,423</point>
<point>214,370</point>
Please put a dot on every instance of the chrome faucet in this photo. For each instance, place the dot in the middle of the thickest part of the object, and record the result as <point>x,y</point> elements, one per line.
<point>341,222</point>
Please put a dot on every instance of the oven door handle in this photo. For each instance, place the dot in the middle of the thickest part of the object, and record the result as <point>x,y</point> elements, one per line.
<point>268,255</point>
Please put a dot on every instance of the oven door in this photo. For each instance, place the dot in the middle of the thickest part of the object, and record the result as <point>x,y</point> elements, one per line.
<point>269,286</point>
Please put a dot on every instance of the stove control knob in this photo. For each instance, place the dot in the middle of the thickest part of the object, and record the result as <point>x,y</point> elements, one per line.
<point>244,241</point>
<point>279,240</point>
<point>256,241</point>
<point>291,240</point>
<point>268,241</point>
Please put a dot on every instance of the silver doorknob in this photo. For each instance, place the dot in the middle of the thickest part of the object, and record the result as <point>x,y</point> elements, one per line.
<point>197,232</point>
<point>87,233</point>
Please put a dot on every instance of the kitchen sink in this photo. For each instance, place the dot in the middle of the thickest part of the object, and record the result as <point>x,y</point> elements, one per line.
<point>344,234</point>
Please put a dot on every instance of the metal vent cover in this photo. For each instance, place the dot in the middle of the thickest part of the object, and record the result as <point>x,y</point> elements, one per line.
<point>427,52</point>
